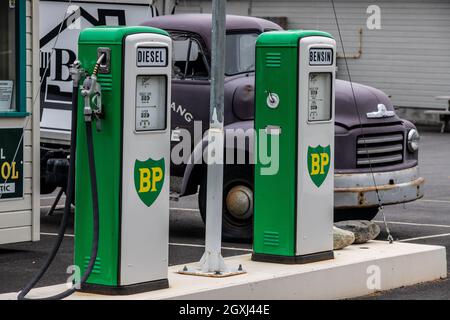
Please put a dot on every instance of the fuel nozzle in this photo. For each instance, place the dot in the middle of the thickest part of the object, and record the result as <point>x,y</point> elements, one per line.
<point>92,94</point>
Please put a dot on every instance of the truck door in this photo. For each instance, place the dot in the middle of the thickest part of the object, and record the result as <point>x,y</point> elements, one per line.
<point>190,92</point>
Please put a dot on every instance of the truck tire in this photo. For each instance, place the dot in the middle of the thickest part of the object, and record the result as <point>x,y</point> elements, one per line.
<point>237,212</point>
<point>355,214</point>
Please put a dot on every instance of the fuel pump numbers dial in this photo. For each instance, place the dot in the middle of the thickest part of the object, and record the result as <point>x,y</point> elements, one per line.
<point>150,102</point>
<point>319,97</point>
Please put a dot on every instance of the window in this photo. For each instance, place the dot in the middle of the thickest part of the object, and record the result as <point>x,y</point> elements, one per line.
<point>189,61</point>
<point>240,55</point>
<point>12,64</point>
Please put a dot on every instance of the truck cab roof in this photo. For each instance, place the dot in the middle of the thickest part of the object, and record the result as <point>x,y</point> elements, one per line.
<point>200,23</point>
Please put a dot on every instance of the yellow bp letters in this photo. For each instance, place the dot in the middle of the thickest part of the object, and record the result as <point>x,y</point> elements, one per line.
<point>325,160</point>
<point>144,178</point>
<point>319,162</point>
<point>157,176</point>
<point>315,166</point>
<point>148,179</point>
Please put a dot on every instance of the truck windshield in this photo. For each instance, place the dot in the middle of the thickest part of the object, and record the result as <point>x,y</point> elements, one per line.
<point>240,53</point>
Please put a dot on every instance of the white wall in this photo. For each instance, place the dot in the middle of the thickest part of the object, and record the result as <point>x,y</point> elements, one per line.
<point>409,58</point>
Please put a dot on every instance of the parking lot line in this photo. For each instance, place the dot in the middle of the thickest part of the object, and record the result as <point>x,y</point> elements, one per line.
<point>52,198</point>
<point>202,246</point>
<point>433,200</point>
<point>185,209</point>
<point>426,237</point>
<point>55,234</point>
<point>415,224</point>
<point>61,206</point>
<point>58,207</point>
<point>192,209</point>
<point>170,243</point>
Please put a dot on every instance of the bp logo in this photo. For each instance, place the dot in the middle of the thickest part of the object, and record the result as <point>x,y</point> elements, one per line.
<point>318,163</point>
<point>149,179</point>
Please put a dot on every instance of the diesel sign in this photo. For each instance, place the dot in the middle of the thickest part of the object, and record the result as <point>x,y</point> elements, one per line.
<point>151,57</point>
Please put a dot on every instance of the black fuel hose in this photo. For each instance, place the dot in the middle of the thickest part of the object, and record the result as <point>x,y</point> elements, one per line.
<point>67,210</point>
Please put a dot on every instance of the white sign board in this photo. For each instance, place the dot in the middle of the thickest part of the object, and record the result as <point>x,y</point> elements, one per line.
<point>56,89</point>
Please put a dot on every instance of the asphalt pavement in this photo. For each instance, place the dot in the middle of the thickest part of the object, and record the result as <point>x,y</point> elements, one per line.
<point>424,221</point>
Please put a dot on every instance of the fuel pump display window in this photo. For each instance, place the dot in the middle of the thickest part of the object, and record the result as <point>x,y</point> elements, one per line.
<point>319,96</point>
<point>150,102</point>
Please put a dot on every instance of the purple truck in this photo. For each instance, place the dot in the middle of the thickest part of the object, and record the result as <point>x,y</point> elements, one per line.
<point>391,142</point>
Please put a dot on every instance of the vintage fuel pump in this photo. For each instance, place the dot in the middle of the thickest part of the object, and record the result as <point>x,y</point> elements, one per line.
<point>122,167</point>
<point>128,100</point>
<point>293,215</point>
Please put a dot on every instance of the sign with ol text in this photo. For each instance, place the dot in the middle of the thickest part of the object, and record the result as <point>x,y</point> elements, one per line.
<point>11,163</point>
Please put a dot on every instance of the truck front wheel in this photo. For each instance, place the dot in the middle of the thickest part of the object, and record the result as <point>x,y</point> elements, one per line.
<point>237,208</point>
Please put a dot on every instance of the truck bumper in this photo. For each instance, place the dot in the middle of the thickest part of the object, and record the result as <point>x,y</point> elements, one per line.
<point>357,190</point>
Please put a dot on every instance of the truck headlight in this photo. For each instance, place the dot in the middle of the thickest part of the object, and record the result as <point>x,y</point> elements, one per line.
<point>413,140</point>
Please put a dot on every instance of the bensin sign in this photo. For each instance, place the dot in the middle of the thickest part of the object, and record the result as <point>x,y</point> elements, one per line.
<point>11,163</point>
<point>320,57</point>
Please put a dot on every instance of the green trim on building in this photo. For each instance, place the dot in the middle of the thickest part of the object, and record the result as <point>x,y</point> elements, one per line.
<point>21,62</point>
<point>14,114</point>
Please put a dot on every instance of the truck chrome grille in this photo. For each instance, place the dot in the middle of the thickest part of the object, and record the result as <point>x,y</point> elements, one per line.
<point>379,150</point>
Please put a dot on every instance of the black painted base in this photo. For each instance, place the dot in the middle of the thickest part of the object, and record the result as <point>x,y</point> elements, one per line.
<point>308,258</point>
<point>125,290</point>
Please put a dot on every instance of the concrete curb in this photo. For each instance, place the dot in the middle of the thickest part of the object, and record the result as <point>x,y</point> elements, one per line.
<point>356,271</point>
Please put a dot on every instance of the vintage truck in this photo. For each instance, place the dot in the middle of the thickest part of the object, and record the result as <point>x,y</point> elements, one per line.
<point>391,142</point>
<point>372,129</point>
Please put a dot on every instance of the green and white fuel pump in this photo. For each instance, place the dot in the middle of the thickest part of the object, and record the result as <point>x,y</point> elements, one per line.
<point>122,168</point>
<point>293,215</point>
<point>132,156</point>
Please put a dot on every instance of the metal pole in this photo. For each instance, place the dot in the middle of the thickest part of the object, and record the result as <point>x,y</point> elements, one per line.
<point>212,260</point>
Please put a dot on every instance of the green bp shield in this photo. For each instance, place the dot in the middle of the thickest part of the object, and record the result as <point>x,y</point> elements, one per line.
<point>149,179</point>
<point>318,164</point>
